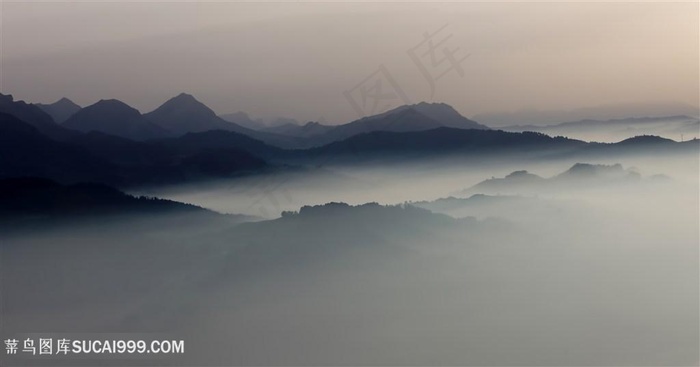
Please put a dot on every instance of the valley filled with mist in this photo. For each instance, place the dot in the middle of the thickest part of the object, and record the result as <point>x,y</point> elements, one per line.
<point>400,245</point>
<point>224,183</point>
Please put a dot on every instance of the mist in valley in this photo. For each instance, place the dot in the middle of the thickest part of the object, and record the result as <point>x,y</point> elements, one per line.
<point>405,264</point>
<point>351,184</point>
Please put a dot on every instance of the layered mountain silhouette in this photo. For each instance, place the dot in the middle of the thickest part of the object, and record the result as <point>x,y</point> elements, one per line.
<point>113,143</point>
<point>419,117</point>
<point>579,176</point>
<point>243,119</point>
<point>25,151</point>
<point>185,114</point>
<point>34,116</point>
<point>532,116</point>
<point>28,202</point>
<point>337,228</point>
<point>443,113</point>
<point>444,140</point>
<point>309,130</point>
<point>509,207</point>
<point>619,129</point>
<point>37,196</point>
<point>60,110</point>
<point>99,157</point>
<point>116,118</point>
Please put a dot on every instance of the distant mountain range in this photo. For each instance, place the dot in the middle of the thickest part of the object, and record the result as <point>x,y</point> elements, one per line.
<point>579,176</point>
<point>509,207</point>
<point>115,118</point>
<point>242,119</point>
<point>60,110</point>
<point>606,112</point>
<point>675,127</point>
<point>110,142</point>
<point>185,114</point>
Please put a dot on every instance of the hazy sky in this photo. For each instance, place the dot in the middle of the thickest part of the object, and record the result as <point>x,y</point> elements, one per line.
<point>298,59</point>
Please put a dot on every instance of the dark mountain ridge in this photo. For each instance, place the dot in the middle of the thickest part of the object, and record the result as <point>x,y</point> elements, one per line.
<point>35,116</point>
<point>116,118</point>
<point>60,110</point>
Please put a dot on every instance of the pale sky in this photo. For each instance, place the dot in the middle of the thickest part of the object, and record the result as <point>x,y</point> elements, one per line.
<point>298,59</point>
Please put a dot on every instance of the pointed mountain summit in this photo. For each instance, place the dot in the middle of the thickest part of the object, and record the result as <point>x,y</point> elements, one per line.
<point>447,116</point>
<point>407,118</point>
<point>184,113</point>
<point>443,113</point>
<point>115,118</point>
<point>60,110</point>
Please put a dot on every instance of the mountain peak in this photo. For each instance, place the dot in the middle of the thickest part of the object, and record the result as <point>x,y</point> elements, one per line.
<point>114,117</point>
<point>184,97</point>
<point>65,100</point>
<point>443,113</point>
<point>184,102</point>
<point>114,106</point>
<point>60,110</point>
<point>184,113</point>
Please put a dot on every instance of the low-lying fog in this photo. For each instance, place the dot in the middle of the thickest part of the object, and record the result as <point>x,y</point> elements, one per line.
<point>267,195</point>
<point>591,270</point>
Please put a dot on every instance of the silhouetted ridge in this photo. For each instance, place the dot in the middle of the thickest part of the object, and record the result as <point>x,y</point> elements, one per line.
<point>184,113</point>
<point>645,139</point>
<point>34,116</point>
<point>445,140</point>
<point>116,118</point>
<point>368,214</point>
<point>588,170</point>
<point>24,151</point>
<point>60,110</point>
<point>36,196</point>
<point>580,175</point>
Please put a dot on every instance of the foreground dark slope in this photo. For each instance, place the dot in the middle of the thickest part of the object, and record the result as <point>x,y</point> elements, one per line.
<point>24,151</point>
<point>41,198</point>
<point>30,205</point>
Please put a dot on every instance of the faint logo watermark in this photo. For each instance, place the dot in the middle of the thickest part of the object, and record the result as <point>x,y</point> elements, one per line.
<point>433,56</point>
<point>442,59</point>
<point>376,93</point>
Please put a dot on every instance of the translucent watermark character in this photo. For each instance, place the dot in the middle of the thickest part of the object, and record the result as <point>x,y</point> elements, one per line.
<point>441,58</point>
<point>378,92</point>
